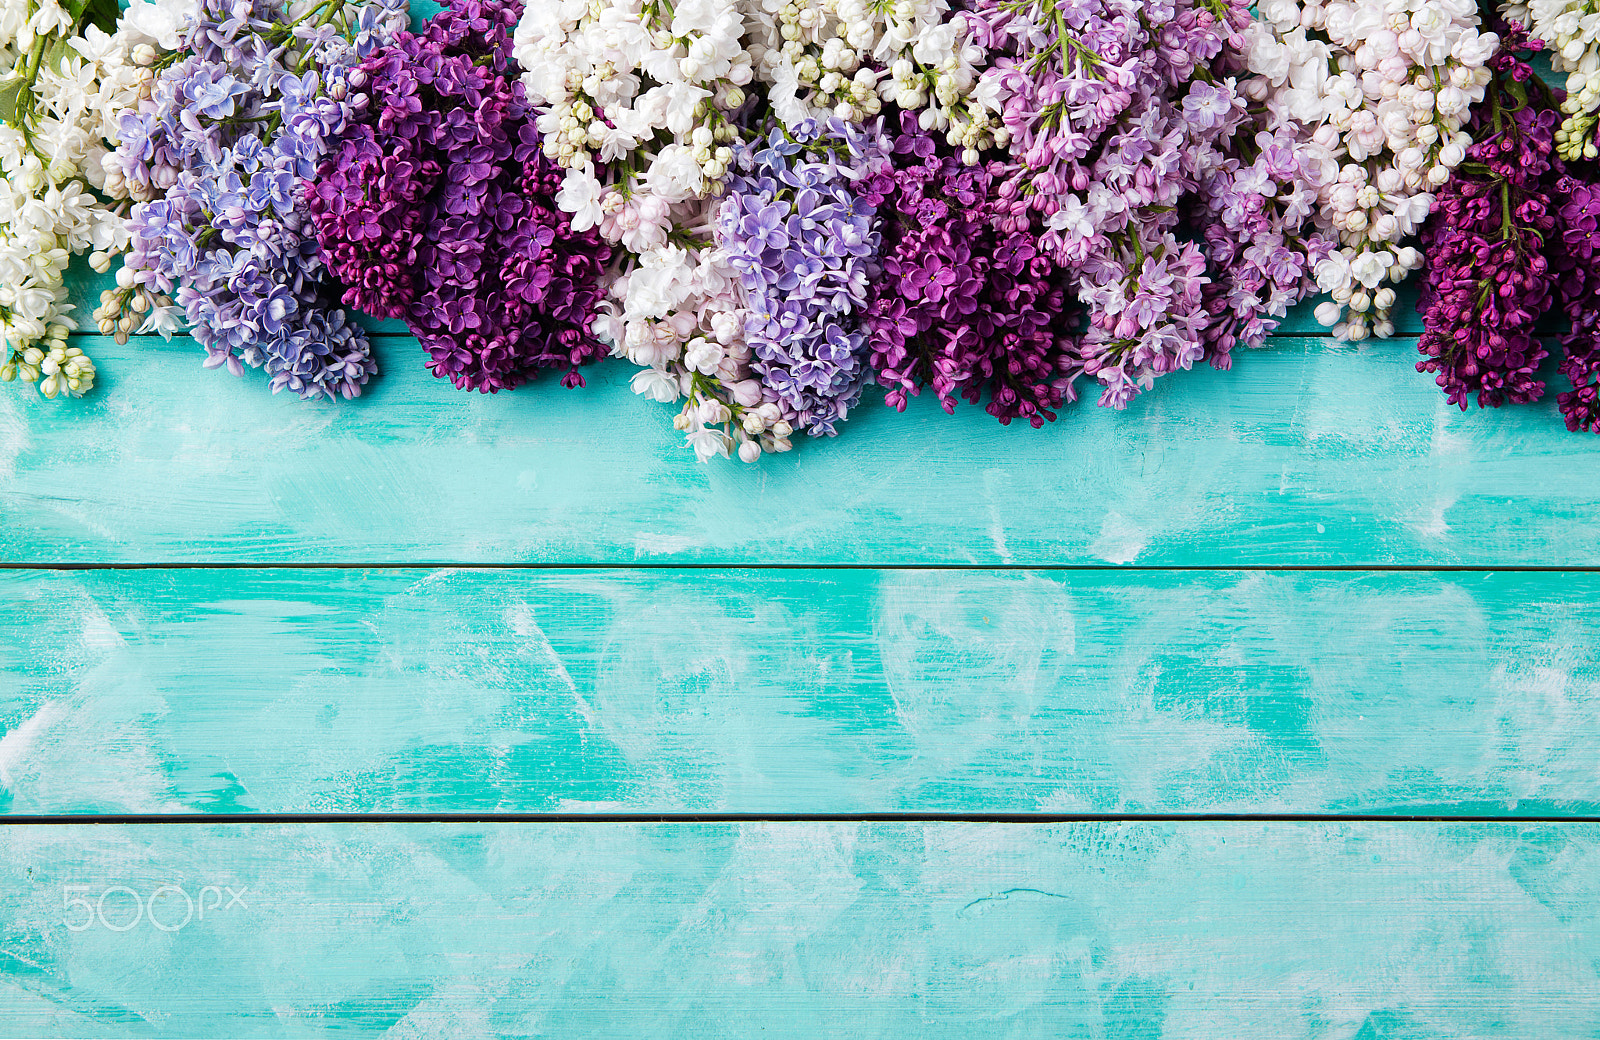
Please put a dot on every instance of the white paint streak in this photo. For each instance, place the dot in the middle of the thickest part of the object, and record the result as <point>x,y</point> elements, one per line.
<point>519,617</point>
<point>100,737</point>
<point>14,437</point>
<point>1449,452</point>
<point>1120,541</point>
<point>1547,707</point>
<point>652,543</point>
<point>791,883</point>
<point>1433,525</point>
<point>969,659</point>
<point>21,740</point>
<point>994,480</point>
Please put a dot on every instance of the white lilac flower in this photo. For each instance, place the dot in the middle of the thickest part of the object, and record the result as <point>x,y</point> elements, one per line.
<point>1571,31</point>
<point>70,81</point>
<point>1395,79</point>
<point>848,58</point>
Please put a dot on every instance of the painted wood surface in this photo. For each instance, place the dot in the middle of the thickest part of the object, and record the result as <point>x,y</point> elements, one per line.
<point>609,678</point>
<point>645,691</point>
<point>1188,932</point>
<point>1306,454</point>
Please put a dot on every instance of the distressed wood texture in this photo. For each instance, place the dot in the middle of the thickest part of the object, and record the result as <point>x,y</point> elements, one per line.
<point>1307,453</point>
<point>643,691</point>
<point>1188,932</point>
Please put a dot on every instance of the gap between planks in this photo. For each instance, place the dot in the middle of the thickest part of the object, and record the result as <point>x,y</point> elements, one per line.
<point>1021,819</point>
<point>1012,568</point>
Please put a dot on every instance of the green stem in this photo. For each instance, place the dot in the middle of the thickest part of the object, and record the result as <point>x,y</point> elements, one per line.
<point>30,74</point>
<point>32,61</point>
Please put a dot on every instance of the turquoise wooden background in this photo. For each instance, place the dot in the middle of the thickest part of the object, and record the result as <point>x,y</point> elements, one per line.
<point>1268,708</point>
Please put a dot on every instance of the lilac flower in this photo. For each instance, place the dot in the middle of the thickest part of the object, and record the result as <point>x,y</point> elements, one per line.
<point>213,91</point>
<point>968,304</point>
<point>1489,280</point>
<point>1114,137</point>
<point>805,246</point>
<point>216,151</point>
<point>1207,105</point>
<point>1262,232</point>
<point>1577,264</point>
<point>436,203</point>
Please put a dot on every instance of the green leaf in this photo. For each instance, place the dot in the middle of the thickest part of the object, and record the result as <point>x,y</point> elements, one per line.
<point>14,93</point>
<point>58,49</point>
<point>103,13</point>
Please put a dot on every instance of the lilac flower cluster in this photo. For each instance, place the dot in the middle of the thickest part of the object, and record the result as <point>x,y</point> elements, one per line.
<point>768,205</point>
<point>805,244</point>
<point>237,115</point>
<point>437,205</point>
<point>969,303</point>
<point>1577,263</point>
<point>1489,281</point>
<point>1513,232</point>
<point>1118,113</point>
<point>1259,219</point>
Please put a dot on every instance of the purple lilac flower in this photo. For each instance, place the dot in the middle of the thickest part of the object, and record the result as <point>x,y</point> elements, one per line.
<point>968,303</point>
<point>1262,231</point>
<point>216,152</point>
<point>437,204</point>
<point>1577,264</point>
<point>1113,135</point>
<point>1489,280</point>
<point>805,246</point>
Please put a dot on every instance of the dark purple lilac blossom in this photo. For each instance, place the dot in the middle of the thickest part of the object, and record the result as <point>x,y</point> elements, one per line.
<point>1577,265</point>
<point>437,205</point>
<point>969,303</point>
<point>1489,280</point>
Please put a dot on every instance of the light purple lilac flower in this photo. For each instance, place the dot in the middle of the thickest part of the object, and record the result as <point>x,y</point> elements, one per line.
<point>1119,113</point>
<point>217,151</point>
<point>805,246</point>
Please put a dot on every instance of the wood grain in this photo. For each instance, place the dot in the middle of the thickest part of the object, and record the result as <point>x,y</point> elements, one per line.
<point>647,691</point>
<point>1305,454</point>
<point>1199,931</point>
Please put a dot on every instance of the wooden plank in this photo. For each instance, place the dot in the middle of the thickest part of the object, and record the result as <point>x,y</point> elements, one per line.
<point>647,691</point>
<point>1307,453</point>
<point>1198,931</point>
